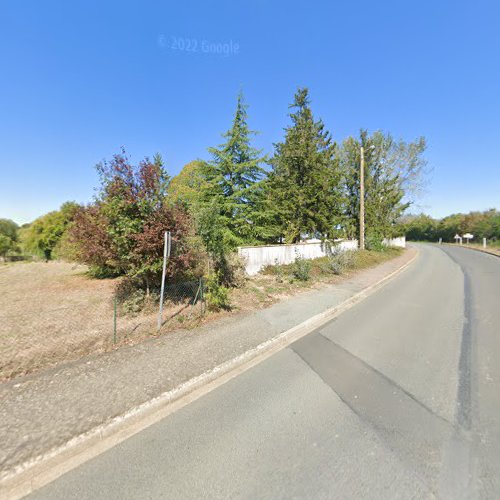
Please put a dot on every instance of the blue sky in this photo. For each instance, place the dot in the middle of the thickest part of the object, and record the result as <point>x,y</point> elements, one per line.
<point>80,79</point>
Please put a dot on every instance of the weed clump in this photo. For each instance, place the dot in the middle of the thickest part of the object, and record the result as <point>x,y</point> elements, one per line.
<point>217,295</point>
<point>301,269</point>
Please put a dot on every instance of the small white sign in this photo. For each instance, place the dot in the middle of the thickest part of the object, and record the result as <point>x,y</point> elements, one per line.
<point>468,236</point>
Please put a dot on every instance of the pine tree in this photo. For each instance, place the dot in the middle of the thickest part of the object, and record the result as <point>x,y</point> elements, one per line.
<point>304,189</point>
<point>234,181</point>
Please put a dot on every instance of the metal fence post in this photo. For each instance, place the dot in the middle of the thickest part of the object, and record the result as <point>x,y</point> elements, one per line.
<point>166,255</point>
<point>114,321</point>
<point>201,296</point>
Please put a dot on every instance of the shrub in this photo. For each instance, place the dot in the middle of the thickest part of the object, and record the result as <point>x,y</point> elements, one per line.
<point>43,235</point>
<point>122,232</point>
<point>233,271</point>
<point>217,295</point>
<point>349,258</point>
<point>321,266</point>
<point>336,262</point>
<point>102,272</point>
<point>276,269</point>
<point>279,272</point>
<point>5,245</point>
<point>301,268</point>
<point>218,240</point>
<point>337,265</point>
<point>133,299</point>
<point>134,303</point>
<point>341,262</point>
<point>374,242</point>
<point>65,249</point>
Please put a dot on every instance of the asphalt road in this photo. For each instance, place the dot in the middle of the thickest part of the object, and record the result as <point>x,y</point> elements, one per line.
<point>399,397</point>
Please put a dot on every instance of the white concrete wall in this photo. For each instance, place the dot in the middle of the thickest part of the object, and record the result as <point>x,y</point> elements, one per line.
<point>260,256</point>
<point>269,255</point>
<point>395,242</point>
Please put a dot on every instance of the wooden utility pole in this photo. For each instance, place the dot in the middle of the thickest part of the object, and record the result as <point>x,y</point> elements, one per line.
<point>362,200</point>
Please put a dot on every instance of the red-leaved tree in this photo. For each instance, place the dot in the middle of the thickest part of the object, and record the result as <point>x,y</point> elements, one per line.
<point>122,232</point>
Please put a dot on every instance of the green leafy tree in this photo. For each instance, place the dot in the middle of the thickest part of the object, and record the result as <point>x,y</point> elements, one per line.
<point>480,224</point>
<point>188,186</point>
<point>218,242</point>
<point>450,226</point>
<point>488,226</point>
<point>9,229</point>
<point>394,175</point>
<point>304,195</point>
<point>5,245</point>
<point>419,227</point>
<point>8,237</point>
<point>42,236</point>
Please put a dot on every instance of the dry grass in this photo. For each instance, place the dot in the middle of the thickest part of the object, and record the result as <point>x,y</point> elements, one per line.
<point>493,248</point>
<point>53,312</point>
<point>48,312</point>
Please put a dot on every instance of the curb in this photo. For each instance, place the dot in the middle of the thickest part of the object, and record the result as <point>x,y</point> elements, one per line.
<point>44,469</point>
<point>489,252</point>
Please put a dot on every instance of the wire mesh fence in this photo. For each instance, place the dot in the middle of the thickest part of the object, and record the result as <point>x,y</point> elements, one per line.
<point>184,300</point>
<point>53,312</point>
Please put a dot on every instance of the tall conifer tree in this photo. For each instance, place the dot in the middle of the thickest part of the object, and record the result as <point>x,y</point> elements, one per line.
<point>234,178</point>
<point>304,189</point>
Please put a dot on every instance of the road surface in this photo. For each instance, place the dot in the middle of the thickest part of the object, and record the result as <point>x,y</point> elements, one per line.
<point>399,397</point>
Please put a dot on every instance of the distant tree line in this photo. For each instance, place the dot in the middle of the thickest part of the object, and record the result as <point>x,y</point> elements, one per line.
<point>47,237</point>
<point>308,187</point>
<point>425,228</point>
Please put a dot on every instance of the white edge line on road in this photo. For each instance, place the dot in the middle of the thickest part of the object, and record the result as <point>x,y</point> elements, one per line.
<point>45,468</point>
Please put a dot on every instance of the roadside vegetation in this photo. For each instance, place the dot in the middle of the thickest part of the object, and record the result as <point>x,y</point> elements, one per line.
<point>323,269</point>
<point>480,224</point>
<point>308,187</point>
<point>107,255</point>
<point>493,247</point>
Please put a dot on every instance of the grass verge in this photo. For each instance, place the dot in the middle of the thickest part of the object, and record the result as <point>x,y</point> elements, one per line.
<point>276,283</point>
